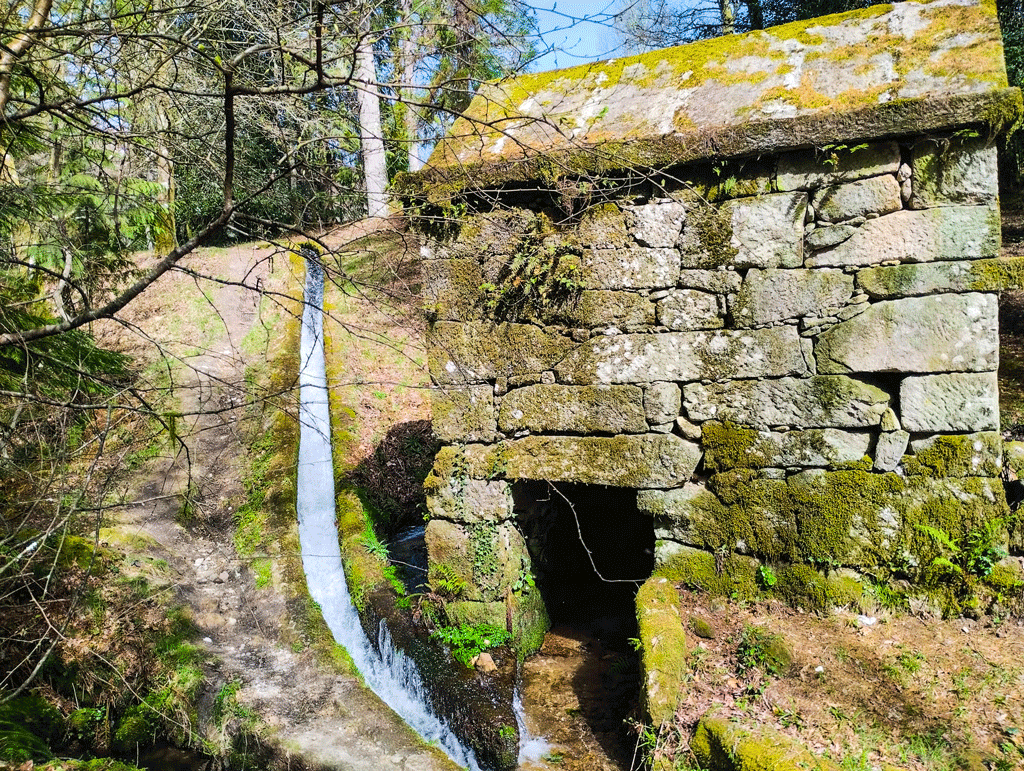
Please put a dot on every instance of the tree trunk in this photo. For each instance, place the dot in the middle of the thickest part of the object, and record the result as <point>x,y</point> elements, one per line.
<point>410,115</point>
<point>728,16</point>
<point>371,138</point>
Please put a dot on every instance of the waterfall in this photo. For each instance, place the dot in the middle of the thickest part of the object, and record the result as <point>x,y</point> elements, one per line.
<point>390,674</point>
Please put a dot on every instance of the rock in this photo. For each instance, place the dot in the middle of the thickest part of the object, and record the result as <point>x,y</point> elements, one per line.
<point>764,232</point>
<point>690,309</point>
<point>718,281</point>
<point>769,352</point>
<point>962,455</point>
<point>663,649</point>
<point>950,233</point>
<point>662,402</point>
<point>645,460</point>
<point>822,401</point>
<point>483,562</point>
<point>630,268</point>
<point>808,170</point>
<point>702,628</point>
<point>889,421</point>
<point>823,238</point>
<point>484,663</point>
<point>451,289</point>
<point>988,275</point>
<point>464,414</point>
<point>954,171</point>
<point>657,224</point>
<point>727,446</point>
<point>941,333</point>
<point>876,195</point>
<point>478,351</point>
<point>774,295</point>
<point>889,449</point>
<point>688,429</point>
<point>468,500</point>
<point>574,409</point>
<point>954,402</point>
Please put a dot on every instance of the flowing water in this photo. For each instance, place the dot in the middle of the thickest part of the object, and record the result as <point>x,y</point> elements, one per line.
<point>388,673</point>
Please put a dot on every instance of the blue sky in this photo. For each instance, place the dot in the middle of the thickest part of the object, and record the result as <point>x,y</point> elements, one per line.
<point>574,42</point>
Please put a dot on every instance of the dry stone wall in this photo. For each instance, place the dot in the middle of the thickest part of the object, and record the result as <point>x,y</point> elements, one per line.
<point>797,364</point>
<point>789,354</point>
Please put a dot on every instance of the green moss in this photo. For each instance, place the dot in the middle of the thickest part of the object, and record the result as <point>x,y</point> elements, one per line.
<point>702,628</point>
<point>710,228</point>
<point>957,456</point>
<point>724,746</point>
<point>803,586</point>
<point>663,647</point>
<point>696,569</point>
<point>1005,578</point>
<point>727,446</point>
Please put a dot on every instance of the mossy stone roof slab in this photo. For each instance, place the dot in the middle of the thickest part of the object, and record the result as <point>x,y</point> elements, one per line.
<point>881,71</point>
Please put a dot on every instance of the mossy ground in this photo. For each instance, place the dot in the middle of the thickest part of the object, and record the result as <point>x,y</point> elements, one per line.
<point>865,691</point>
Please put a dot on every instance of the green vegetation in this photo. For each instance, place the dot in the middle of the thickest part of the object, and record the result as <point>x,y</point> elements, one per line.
<point>758,649</point>
<point>468,642</point>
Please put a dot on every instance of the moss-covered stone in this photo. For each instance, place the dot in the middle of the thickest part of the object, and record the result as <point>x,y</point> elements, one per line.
<point>803,586</point>
<point>479,352</point>
<point>720,745</point>
<point>464,414</point>
<point>985,275</point>
<point>734,576</point>
<point>957,455</point>
<point>630,460</point>
<point>574,409</point>
<point>663,647</point>
<point>702,628</point>
<point>727,446</point>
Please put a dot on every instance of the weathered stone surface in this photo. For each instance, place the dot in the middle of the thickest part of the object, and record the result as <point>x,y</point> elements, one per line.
<point>664,649</point>
<point>728,446</point>
<point>831,235</point>
<point>662,402</point>
<point>716,737</point>
<point>889,449</point>
<point>876,195</point>
<point>469,501</point>
<point>656,224</point>
<point>573,409</point>
<point>812,168</point>
<point>990,275</point>
<point>774,295</point>
<point>718,281</point>
<point>956,402</point>
<point>603,227</point>
<point>941,333</point>
<point>824,401</point>
<point>949,233</point>
<point>451,289</point>
<point>690,309</point>
<point>889,421</point>
<point>464,414</point>
<point>485,560</point>
<point>763,232</point>
<point>477,352</point>
<point>594,309</point>
<point>961,455</point>
<point>497,234</point>
<point>768,352</point>
<point>632,268</point>
<point>645,460</point>
<point>949,172</point>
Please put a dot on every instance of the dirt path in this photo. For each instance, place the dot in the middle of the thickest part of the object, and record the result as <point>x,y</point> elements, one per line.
<point>206,330</point>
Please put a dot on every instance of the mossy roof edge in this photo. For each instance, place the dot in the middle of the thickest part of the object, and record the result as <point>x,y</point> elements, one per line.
<point>996,112</point>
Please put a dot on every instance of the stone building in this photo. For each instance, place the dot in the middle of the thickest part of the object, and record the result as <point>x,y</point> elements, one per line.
<point>734,303</point>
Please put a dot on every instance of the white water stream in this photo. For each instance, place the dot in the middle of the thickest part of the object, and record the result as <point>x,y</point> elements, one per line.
<point>392,676</point>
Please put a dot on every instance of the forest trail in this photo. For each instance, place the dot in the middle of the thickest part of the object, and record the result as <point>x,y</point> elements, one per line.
<point>203,333</point>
